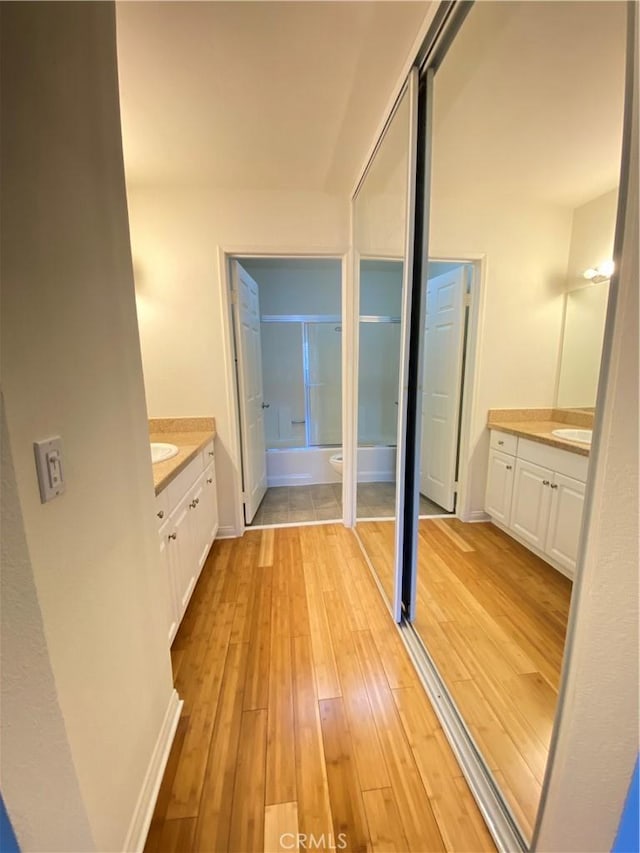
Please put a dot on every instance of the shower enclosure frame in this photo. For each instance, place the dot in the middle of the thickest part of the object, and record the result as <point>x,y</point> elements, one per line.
<point>306,320</point>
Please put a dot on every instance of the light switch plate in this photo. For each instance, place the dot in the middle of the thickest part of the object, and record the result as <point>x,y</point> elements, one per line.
<point>49,467</point>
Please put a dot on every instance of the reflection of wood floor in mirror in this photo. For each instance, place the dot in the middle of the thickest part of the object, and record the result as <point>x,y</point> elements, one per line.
<point>494,618</point>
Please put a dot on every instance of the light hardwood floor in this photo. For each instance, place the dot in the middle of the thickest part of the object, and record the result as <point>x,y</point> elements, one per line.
<point>493,617</point>
<point>303,713</point>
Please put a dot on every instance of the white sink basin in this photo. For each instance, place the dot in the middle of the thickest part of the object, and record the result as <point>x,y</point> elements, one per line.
<point>160,452</point>
<point>583,435</point>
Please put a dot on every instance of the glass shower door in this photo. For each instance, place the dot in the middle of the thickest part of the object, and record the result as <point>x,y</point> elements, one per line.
<point>323,353</point>
<point>378,379</point>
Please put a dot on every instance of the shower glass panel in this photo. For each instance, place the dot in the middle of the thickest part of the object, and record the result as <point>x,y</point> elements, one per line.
<point>283,384</point>
<point>323,347</point>
<point>378,383</point>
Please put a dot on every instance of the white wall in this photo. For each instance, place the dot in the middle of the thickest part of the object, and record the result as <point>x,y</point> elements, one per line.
<point>381,288</point>
<point>71,366</point>
<point>596,742</point>
<point>175,236</point>
<point>33,739</point>
<point>297,285</point>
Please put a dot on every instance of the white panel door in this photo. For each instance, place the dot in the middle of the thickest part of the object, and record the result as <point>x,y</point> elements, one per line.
<point>251,400</point>
<point>442,386</point>
<point>565,521</point>
<point>531,502</point>
<point>499,486</point>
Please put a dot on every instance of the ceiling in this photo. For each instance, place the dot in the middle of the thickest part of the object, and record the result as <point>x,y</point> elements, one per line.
<point>258,95</point>
<point>529,101</point>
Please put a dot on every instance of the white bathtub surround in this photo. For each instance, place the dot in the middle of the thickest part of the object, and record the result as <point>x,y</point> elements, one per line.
<point>306,466</point>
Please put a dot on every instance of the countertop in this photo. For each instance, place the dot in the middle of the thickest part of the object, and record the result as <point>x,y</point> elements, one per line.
<point>538,425</point>
<point>190,435</point>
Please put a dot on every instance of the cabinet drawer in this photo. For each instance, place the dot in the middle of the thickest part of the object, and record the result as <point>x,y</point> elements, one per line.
<point>504,442</point>
<point>565,462</point>
<point>178,487</point>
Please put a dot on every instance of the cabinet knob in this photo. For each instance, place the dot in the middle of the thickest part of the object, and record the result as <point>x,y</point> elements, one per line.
<point>196,501</point>
<point>209,479</point>
<point>160,514</point>
<point>501,443</point>
<point>509,467</point>
<point>545,482</point>
<point>193,504</point>
<point>554,485</point>
<point>211,453</point>
<point>172,536</point>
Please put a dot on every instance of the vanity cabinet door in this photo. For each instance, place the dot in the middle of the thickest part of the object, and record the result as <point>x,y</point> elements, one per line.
<point>499,486</point>
<point>531,502</point>
<point>182,552</point>
<point>169,573</point>
<point>198,520</point>
<point>565,521</point>
<point>210,506</point>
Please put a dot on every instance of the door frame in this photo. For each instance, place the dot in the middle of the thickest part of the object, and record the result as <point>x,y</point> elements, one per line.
<point>472,352</point>
<point>226,254</point>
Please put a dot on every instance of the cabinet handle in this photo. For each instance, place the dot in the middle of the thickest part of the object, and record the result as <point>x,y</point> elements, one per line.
<point>210,480</point>
<point>172,536</point>
<point>501,443</point>
<point>211,453</point>
<point>160,514</point>
<point>545,482</point>
<point>509,467</point>
<point>554,485</point>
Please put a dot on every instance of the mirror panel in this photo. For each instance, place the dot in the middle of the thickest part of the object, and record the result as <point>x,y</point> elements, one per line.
<point>380,225</point>
<point>585,315</point>
<point>513,165</point>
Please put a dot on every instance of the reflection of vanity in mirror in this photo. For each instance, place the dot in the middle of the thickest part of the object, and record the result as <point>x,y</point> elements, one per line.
<point>501,376</point>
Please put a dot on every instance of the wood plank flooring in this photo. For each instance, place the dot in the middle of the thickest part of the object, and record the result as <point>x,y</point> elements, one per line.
<point>303,715</point>
<point>494,618</point>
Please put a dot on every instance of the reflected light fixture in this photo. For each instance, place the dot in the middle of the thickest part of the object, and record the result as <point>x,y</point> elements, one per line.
<point>602,272</point>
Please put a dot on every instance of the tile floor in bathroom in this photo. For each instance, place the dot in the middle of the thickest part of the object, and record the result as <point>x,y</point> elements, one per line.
<point>295,504</point>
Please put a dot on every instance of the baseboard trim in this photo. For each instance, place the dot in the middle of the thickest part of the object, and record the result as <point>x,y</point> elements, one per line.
<point>143,812</point>
<point>227,531</point>
<point>475,516</point>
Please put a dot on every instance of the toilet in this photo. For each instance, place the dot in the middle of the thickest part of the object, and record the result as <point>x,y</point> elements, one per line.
<point>336,462</point>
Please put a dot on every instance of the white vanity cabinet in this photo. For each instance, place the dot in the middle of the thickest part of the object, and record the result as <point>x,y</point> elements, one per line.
<point>500,476</point>
<point>187,511</point>
<point>536,493</point>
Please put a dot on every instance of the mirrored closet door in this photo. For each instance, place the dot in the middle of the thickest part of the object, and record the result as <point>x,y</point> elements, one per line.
<point>383,239</point>
<point>516,211</point>
<point>522,202</point>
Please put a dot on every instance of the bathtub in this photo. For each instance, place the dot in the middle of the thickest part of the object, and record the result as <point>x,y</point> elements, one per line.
<point>305,466</point>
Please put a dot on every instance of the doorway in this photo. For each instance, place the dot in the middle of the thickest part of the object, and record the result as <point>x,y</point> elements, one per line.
<point>287,338</point>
